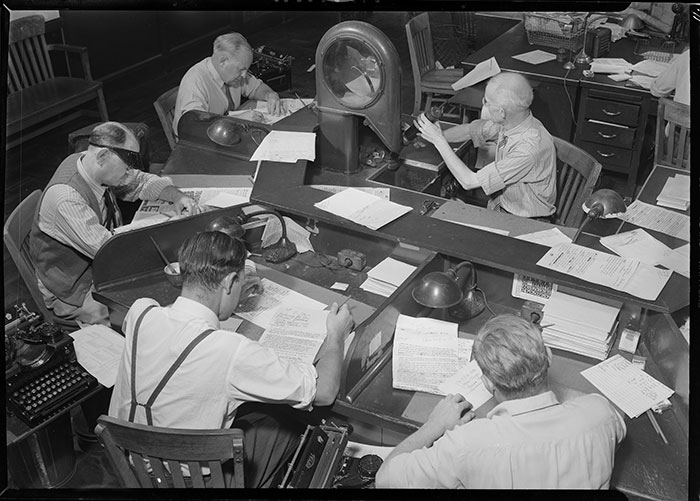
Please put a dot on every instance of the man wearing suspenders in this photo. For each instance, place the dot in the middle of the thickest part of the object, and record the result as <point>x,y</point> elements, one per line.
<point>180,370</point>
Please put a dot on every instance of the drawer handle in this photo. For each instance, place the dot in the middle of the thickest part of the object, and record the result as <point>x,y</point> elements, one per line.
<point>612,113</point>
<point>607,136</point>
<point>605,155</point>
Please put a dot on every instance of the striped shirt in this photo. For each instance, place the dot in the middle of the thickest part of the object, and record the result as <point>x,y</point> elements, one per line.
<point>66,216</point>
<point>522,178</point>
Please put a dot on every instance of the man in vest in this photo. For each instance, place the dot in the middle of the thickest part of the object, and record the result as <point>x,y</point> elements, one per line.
<point>180,369</point>
<point>217,83</point>
<point>77,214</point>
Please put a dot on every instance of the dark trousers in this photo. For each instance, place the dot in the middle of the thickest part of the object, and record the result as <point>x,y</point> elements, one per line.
<point>271,435</point>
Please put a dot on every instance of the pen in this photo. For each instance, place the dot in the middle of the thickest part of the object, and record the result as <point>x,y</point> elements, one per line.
<point>165,259</point>
<point>656,426</point>
<point>300,100</point>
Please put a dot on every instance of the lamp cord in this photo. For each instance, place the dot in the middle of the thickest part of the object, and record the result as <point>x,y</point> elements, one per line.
<point>486,302</point>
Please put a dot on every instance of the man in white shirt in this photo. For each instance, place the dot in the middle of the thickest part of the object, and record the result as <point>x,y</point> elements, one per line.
<point>224,369</point>
<point>217,83</point>
<point>528,441</point>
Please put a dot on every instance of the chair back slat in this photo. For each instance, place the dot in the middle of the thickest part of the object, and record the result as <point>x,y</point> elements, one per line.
<point>176,473</point>
<point>31,68</point>
<point>43,59</point>
<point>160,474</point>
<point>14,84</point>
<point>165,109</point>
<point>143,477</point>
<point>14,54</point>
<point>28,53</point>
<point>672,134</point>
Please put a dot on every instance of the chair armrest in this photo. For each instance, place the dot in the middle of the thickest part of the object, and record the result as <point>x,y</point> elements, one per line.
<point>84,59</point>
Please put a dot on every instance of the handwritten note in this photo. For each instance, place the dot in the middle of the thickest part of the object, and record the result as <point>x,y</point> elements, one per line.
<point>626,385</point>
<point>261,309</point>
<point>284,146</point>
<point>627,275</point>
<point>363,208</point>
<point>99,350</point>
<point>424,353</point>
<point>296,334</point>
<point>467,382</point>
<point>658,219</point>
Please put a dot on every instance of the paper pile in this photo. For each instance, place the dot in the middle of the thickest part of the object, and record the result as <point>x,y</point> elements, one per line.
<point>385,278</point>
<point>289,147</point>
<point>579,325</point>
<point>676,193</point>
<point>363,208</point>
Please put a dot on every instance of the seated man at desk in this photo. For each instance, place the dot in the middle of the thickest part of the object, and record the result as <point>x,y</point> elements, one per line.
<point>227,379</point>
<point>217,83</point>
<point>522,178</point>
<point>528,441</point>
<point>78,213</point>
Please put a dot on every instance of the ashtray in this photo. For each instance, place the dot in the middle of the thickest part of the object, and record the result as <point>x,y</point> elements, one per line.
<point>172,273</point>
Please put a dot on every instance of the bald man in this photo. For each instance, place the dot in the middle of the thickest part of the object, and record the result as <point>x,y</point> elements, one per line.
<point>77,214</point>
<point>522,178</point>
<point>217,83</point>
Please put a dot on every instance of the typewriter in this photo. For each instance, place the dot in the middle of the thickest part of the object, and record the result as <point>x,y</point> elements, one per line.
<point>42,374</point>
<point>272,67</point>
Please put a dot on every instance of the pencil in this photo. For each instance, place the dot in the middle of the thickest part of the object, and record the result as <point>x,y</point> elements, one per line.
<point>165,259</point>
<point>656,426</point>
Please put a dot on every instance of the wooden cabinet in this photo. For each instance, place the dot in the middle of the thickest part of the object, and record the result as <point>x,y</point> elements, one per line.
<point>610,127</point>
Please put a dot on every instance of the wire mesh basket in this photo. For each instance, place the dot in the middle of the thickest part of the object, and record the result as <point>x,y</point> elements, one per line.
<point>555,30</point>
<point>655,50</point>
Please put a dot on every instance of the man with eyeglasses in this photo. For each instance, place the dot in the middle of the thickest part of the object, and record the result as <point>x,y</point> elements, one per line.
<point>217,83</point>
<point>521,180</point>
<point>77,214</point>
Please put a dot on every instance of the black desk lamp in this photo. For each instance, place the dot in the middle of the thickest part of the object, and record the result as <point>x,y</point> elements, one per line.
<point>233,226</point>
<point>454,289</point>
<point>604,204</point>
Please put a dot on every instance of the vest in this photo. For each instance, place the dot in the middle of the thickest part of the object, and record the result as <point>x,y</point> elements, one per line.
<point>66,272</point>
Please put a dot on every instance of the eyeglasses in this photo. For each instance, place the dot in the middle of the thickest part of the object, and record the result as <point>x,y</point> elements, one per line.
<point>130,158</point>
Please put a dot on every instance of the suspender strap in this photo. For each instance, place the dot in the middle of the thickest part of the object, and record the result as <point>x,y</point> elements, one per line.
<point>134,403</point>
<point>176,365</point>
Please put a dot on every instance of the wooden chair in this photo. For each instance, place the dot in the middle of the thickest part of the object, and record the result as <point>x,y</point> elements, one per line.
<point>36,96</point>
<point>15,234</point>
<point>672,134</point>
<point>429,80</point>
<point>577,175</point>
<point>165,108</point>
<point>134,449</point>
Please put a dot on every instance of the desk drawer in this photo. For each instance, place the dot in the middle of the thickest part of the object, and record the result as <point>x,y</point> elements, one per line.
<point>612,111</point>
<point>608,134</point>
<point>608,155</point>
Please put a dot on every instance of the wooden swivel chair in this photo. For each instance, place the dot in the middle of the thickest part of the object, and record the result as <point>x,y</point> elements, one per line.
<point>577,175</point>
<point>427,78</point>
<point>672,147</point>
<point>15,234</point>
<point>37,98</point>
<point>134,448</point>
<point>165,108</point>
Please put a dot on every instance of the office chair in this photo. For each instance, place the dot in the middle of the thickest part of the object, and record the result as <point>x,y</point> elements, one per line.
<point>15,234</point>
<point>672,146</point>
<point>577,175</point>
<point>151,456</point>
<point>427,79</point>
<point>165,108</point>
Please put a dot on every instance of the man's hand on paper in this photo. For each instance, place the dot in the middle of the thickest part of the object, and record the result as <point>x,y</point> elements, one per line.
<point>274,104</point>
<point>450,412</point>
<point>186,206</point>
<point>252,285</point>
<point>339,322</point>
<point>251,115</point>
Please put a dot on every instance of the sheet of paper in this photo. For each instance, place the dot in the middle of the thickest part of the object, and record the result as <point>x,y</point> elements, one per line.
<point>363,208</point>
<point>610,65</point>
<point>482,71</point>
<point>549,238</point>
<point>536,57</point>
<point>384,193</point>
<point>484,228</point>
<point>637,244</point>
<point>99,350</point>
<point>658,219</point>
<point>424,353</point>
<point>203,196</point>
<point>391,271</point>
<point>142,223</point>
<point>651,68</point>
<point>284,146</point>
<point>228,200</point>
<point>678,260</point>
<point>295,232</point>
<point>261,309</point>
<point>627,275</point>
<point>626,385</point>
<point>464,350</point>
<point>289,106</point>
<point>675,193</point>
<point>296,333</point>
<point>467,382</point>
<point>619,77</point>
<point>584,312</point>
<point>358,450</point>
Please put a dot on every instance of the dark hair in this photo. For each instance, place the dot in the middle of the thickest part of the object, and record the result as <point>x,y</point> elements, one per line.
<point>110,134</point>
<point>511,353</point>
<point>207,257</point>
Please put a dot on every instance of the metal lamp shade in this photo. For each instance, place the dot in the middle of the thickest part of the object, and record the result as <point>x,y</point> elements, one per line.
<point>437,290</point>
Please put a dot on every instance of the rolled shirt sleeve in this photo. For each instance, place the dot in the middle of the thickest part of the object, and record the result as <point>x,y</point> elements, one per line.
<point>141,185</point>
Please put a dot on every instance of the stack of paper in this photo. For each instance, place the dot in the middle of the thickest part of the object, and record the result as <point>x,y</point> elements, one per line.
<point>627,385</point>
<point>284,146</point>
<point>296,333</point>
<point>611,65</point>
<point>658,219</point>
<point>384,278</point>
<point>676,193</point>
<point>363,208</point>
<point>579,325</point>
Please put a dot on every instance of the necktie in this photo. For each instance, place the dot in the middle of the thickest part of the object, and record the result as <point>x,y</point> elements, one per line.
<point>231,104</point>
<point>114,215</point>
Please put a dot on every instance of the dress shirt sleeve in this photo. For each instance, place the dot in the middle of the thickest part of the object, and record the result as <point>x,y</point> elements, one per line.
<point>517,163</point>
<point>141,185</point>
<point>257,374</point>
<point>665,83</point>
<point>251,85</point>
<point>67,217</point>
